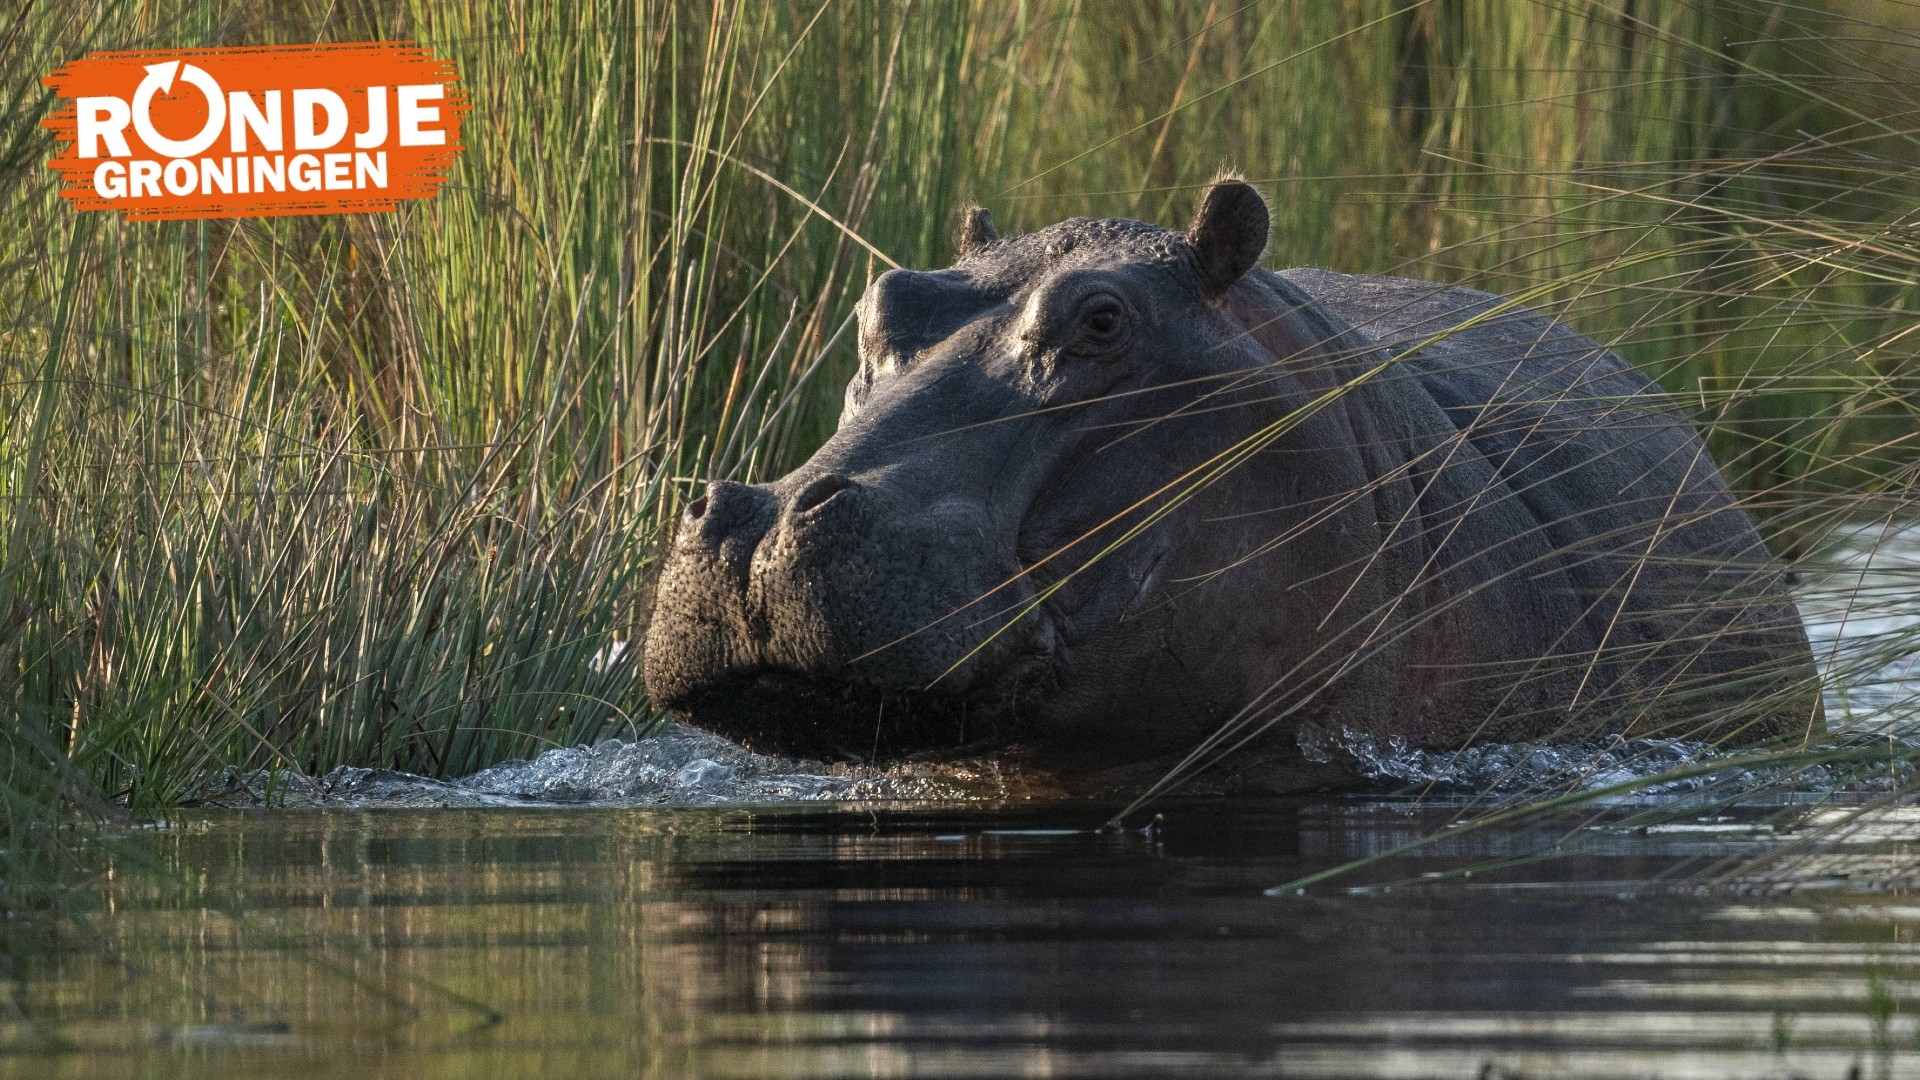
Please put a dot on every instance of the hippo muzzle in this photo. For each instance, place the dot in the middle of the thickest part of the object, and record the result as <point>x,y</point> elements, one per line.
<point>828,616</point>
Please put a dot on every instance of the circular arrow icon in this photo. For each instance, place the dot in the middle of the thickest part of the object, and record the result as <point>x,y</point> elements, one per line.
<point>160,80</point>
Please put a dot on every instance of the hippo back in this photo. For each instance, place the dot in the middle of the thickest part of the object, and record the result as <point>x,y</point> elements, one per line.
<point>1574,465</point>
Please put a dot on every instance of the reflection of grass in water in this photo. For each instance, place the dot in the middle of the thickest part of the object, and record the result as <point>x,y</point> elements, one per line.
<point>1881,1005</point>
<point>384,490</point>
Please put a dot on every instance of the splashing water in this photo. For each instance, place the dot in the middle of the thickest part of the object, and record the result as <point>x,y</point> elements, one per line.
<point>674,765</point>
<point>1530,768</point>
<point>1635,769</point>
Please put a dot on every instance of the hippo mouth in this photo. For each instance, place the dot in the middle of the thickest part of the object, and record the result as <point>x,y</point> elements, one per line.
<point>797,714</point>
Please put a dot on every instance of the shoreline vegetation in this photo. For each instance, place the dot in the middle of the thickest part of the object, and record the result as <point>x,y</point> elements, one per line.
<point>385,490</point>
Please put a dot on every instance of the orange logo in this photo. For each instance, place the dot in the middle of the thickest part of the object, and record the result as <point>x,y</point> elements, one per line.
<point>255,132</point>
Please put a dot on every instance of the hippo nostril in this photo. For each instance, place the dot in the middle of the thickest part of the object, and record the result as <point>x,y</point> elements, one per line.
<point>822,489</point>
<point>729,516</point>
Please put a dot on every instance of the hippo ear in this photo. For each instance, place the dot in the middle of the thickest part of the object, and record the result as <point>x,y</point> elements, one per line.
<point>1228,234</point>
<point>977,231</point>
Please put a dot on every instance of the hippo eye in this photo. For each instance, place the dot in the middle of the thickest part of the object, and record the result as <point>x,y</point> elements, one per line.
<point>1103,320</point>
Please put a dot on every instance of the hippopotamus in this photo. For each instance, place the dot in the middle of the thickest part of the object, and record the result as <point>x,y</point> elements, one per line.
<point>1109,495</point>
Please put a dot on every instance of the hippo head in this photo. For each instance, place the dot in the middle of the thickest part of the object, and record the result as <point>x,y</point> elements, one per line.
<point>994,546</point>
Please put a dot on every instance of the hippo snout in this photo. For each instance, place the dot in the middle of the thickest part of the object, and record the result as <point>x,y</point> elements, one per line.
<point>823,614</point>
<point>729,511</point>
<point>721,529</point>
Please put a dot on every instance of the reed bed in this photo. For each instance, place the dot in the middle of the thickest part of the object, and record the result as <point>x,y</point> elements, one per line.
<point>385,490</point>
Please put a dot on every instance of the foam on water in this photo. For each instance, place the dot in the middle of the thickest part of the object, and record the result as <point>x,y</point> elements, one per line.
<point>1505,768</point>
<point>1861,606</point>
<point>674,765</point>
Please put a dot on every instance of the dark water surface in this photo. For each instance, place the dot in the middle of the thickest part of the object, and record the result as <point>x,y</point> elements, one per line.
<point>829,941</point>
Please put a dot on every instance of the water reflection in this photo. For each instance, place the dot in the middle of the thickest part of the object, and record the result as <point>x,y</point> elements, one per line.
<point>825,941</point>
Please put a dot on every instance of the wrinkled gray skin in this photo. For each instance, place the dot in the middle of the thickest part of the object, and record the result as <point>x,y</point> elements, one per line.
<point>1101,489</point>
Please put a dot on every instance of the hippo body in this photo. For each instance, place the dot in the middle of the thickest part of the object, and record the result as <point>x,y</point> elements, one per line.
<point>1108,496</point>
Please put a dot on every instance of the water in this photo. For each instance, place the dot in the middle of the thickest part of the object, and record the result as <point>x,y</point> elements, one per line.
<point>823,941</point>
<point>677,906</point>
<point>1863,617</point>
